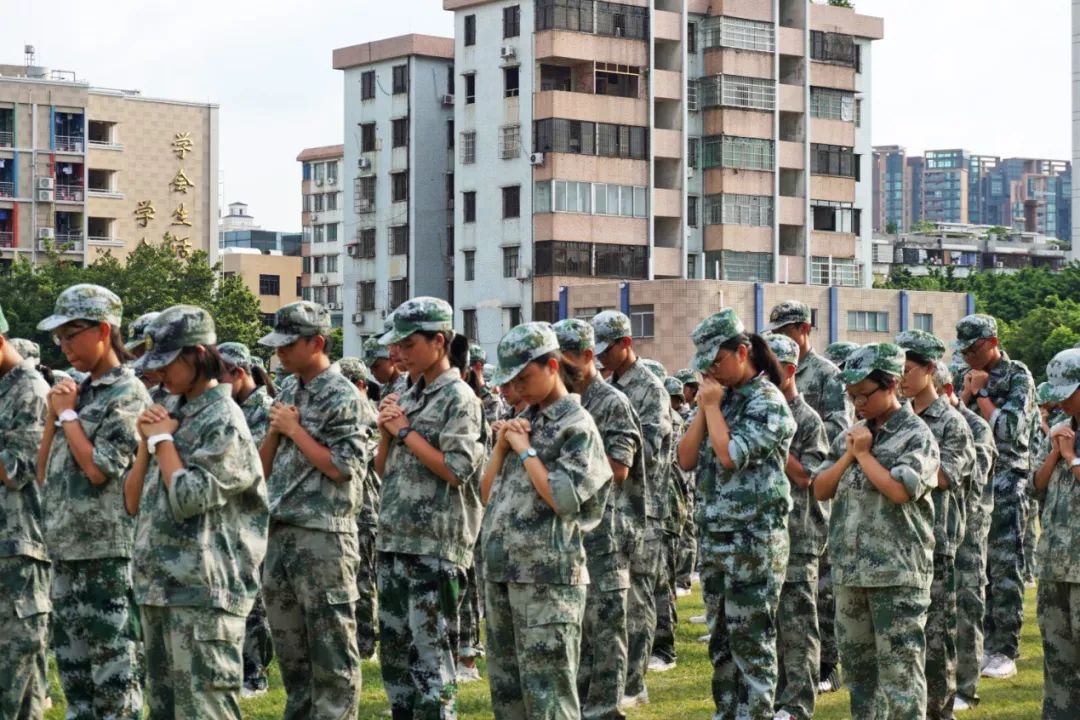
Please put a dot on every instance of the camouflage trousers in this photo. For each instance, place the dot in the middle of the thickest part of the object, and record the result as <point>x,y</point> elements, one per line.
<point>95,636</point>
<point>601,676</point>
<point>419,602</point>
<point>798,641</point>
<point>686,563</point>
<point>667,616</point>
<point>742,574</point>
<point>258,643</point>
<point>194,658</point>
<point>468,643</point>
<point>309,586</point>
<point>1005,572</point>
<point>882,642</point>
<point>826,612</point>
<point>641,608</point>
<point>1059,624</point>
<point>534,647</point>
<point>941,626</point>
<point>366,634</point>
<point>1031,539</point>
<point>24,633</point>
<point>970,608</point>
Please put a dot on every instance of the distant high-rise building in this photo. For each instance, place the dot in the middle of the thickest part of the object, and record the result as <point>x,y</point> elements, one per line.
<point>891,188</point>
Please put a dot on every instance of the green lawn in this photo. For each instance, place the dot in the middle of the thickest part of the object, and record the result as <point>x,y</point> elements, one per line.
<point>684,692</point>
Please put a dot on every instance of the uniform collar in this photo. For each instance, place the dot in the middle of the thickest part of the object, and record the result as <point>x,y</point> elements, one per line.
<point>623,379</point>
<point>898,418</point>
<point>215,394</point>
<point>810,358</point>
<point>445,378</point>
<point>750,387</point>
<point>111,377</point>
<point>27,366</point>
<point>254,396</point>
<point>319,380</point>
<point>937,408</point>
<point>559,408</point>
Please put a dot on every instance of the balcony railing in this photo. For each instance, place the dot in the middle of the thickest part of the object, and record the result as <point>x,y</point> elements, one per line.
<point>69,143</point>
<point>7,189</point>
<point>70,193</point>
<point>7,239</point>
<point>72,242</point>
<point>7,138</point>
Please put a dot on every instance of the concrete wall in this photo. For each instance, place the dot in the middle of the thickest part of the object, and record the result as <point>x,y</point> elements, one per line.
<point>250,265</point>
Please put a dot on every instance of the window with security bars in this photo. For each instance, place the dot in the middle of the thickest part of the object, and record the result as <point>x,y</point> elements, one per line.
<point>470,264</point>
<point>730,209</point>
<point>737,91</point>
<point>469,329</point>
<point>566,136</point>
<point>366,243</point>
<point>746,266</point>
<point>840,272</point>
<point>829,104</point>
<point>399,131</point>
<point>562,258</point>
<point>618,20</point>
<point>868,321</point>
<point>399,186</point>
<point>833,160</point>
<point>401,79</point>
<point>468,148</point>
<point>399,239</point>
<point>641,321</point>
<point>509,141</point>
<point>574,15</point>
<point>692,95</point>
<point>692,202</point>
<point>367,85</point>
<point>693,152</point>
<point>546,311</point>
<point>365,294</point>
<point>738,33</point>
<point>621,261</point>
<point>833,48</point>
<point>364,194</point>
<point>510,261</point>
<point>738,152</point>
<point>399,292</point>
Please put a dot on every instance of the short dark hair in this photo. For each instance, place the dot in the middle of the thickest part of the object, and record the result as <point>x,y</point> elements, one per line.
<point>206,360</point>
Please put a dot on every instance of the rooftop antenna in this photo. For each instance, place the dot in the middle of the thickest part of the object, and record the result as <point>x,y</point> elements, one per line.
<point>29,55</point>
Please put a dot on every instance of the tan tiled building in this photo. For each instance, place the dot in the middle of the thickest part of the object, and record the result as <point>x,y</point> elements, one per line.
<point>270,276</point>
<point>88,170</point>
<point>321,218</point>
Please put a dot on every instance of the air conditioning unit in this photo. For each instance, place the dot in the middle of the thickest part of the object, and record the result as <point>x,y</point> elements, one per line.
<point>690,171</point>
<point>318,181</point>
<point>353,250</point>
<point>358,318</point>
<point>333,306</point>
<point>45,196</point>
<point>448,99</point>
<point>364,163</point>
<point>523,273</point>
<point>314,218</point>
<point>536,159</point>
<point>999,264</point>
<point>46,234</point>
<point>506,52</point>
<point>323,280</point>
<point>45,183</point>
<point>331,181</point>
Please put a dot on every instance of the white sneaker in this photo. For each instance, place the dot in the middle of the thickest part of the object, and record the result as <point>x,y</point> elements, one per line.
<point>704,638</point>
<point>48,703</point>
<point>695,577</point>
<point>467,674</point>
<point>699,620</point>
<point>682,592</point>
<point>783,715</point>
<point>633,701</point>
<point>960,704</point>
<point>984,661</point>
<point>659,664</point>
<point>999,667</point>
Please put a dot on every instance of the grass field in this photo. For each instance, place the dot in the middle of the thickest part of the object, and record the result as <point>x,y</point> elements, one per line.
<point>684,692</point>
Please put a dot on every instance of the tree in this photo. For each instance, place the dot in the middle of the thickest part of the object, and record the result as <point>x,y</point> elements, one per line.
<point>1042,333</point>
<point>891,228</point>
<point>841,3</point>
<point>923,226</point>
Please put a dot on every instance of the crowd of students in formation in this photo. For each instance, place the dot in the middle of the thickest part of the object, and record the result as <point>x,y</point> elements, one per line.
<point>171,521</point>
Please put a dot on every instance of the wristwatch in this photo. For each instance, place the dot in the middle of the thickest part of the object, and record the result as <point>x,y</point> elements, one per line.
<point>984,393</point>
<point>154,440</point>
<point>1075,463</point>
<point>403,433</point>
<point>67,416</point>
<point>526,454</point>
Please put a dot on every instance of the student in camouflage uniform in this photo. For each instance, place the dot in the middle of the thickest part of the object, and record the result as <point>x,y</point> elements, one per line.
<point>615,351</point>
<point>545,489</point>
<point>82,465</point>
<point>24,560</point>
<point>601,676</point>
<point>798,640</point>
<point>27,349</point>
<point>1057,484</point>
<point>686,569</point>
<point>315,455</point>
<point>431,450</point>
<point>957,451</point>
<point>492,402</point>
<point>881,537</point>
<point>254,392</point>
<point>1050,414</point>
<point>197,475</point>
<point>1003,392</point>
<point>818,381</point>
<point>838,352</point>
<point>739,442</point>
<point>383,363</point>
<point>690,381</point>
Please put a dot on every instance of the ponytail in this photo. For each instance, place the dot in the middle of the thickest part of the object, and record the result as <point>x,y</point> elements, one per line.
<point>116,341</point>
<point>262,378</point>
<point>765,360</point>
<point>458,352</point>
<point>47,373</point>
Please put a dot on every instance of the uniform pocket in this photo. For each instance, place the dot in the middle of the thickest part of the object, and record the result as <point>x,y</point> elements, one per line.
<point>340,596</point>
<point>218,661</point>
<point>555,605</point>
<point>31,605</point>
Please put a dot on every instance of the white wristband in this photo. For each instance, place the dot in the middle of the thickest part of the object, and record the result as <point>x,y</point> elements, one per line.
<point>67,416</point>
<point>153,441</point>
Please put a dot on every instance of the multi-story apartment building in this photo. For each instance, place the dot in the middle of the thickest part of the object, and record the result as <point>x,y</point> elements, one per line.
<point>946,186</point>
<point>322,224</point>
<point>237,229</point>
<point>398,175</point>
<point>892,189</point>
<point>87,170</point>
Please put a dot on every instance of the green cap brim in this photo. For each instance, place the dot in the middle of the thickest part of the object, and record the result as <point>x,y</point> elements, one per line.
<point>395,336</point>
<point>703,359</point>
<point>54,321</point>
<point>853,376</point>
<point>1060,393</point>
<point>276,339</point>
<point>155,359</point>
<point>773,327</point>
<point>501,376</point>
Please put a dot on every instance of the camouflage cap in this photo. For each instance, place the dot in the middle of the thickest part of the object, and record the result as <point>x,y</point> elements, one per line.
<point>85,302</point>
<point>973,328</point>
<point>784,348</point>
<point>920,342</point>
<point>176,328</point>
<point>886,357</point>
<point>522,345</point>
<point>489,372</point>
<point>711,333</point>
<point>688,377</point>
<point>3,323</point>
<point>29,349</point>
<point>609,327</point>
<point>1044,393</point>
<point>788,313</point>
<point>957,363</point>
<point>236,354</point>
<point>354,369</point>
<point>297,320</point>
<point>476,355</point>
<point>839,351</point>
<point>420,314</point>
<point>137,331</point>
<point>656,368</point>
<point>374,350</point>
<point>575,335</point>
<point>1063,374</point>
<point>942,376</point>
<point>673,386</point>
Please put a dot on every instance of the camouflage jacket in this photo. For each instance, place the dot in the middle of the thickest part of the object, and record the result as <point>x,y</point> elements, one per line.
<point>957,454</point>
<point>754,494</point>
<point>682,482</point>
<point>256,409</point>
<point>1012,390</point>
<point>200,542</point>
<point>84,521</point>
<point>300,494</point>
<point>369,508</point>
<point>623,525</point>
<point>653,406</point>
<point>1058,554</point>
<point>420,513</point>
<point>978,504</point>
<point>400,386</point>
<point>494,407</point>
<point>874,542</point>
<point>524,540</point>
<point>820,385</point>
<point>808,523</point>
<point>22,422</point>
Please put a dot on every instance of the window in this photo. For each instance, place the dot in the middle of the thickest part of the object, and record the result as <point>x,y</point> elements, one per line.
<point>399,186</point>
<point>449,134</point>
<point>735,265</point>
<point>621,261</point>
<point>331,232</point>
<point>331,172</point>
<point>332,293</point>
<point>563,258</point>
<point>319,233</point>
<point>839,272</point>
<point>320,172</point>
<point>691,38</point>
<point>511,21</point>
<point>509,141</point>
<point>587,138</point>
<point>546,311</point>
<point>470,30</point>
<point>732,32</point>
<point>868,321</point>
<point>729,209</point>
<point>510,81</point>
<point>468,201</point>
<point>555,77</point>
<point>401,79</point>
<point>470,264</point>
<point>693,152</point>
<point>692,210</point>
<point>691,266</point>
<point>269,284</point>
<point>511,202</point>
<point>365,293</point>
<point>306,264</point>
<point>617,20</point>
<point>738,152</point>
<point>367,85</point>
<point>364,194</point>
<point>832,160</point>
<point>832,216</point>
<point>924,321</point>
<point>833,48</point>
<point>366,238</point>
<point>737,91</point>
<point>299,286</point>
<point>616,80</point>
<point>858,112</point>
<point>399,239</point>
<point>510,262</point>
<point>574,15</point>
<point>320,264</point>
<point>468,148</point>
<point>332,201</point>
<point>399,292</point>
<point>830,104</point>
<point>469,318</point>
<point>470,88</point>
<point>400,132</point>
<point>367,137</point>
<point>512,316</point>
<point>692,94</point>
<point>641,321</point>
<point>317,202</point>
